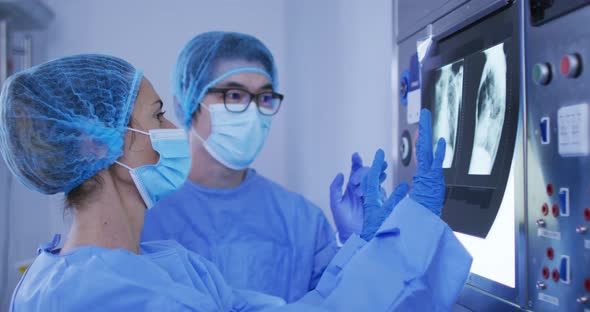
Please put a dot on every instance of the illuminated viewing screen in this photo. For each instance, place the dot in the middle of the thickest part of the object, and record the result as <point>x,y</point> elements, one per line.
<point>471,81</point>
<point>475,110</point>
<point>499,241</point>
<point>490,110</point>
<point>447,103</point>
<point>488,93</point>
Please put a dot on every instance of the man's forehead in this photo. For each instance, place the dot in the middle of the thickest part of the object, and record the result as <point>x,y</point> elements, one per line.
<point>229,65</point>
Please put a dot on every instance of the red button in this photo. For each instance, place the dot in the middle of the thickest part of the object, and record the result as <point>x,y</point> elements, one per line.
<point>545,209</point>
<point>550,189</point>
<point>555,210</point>
<point>545,272</point>
<point>550,253</point>
<point>587,284</point>
<point>570,65</point>
<point>564,66</point>
<point>555,275</point>
<point>587,214</point>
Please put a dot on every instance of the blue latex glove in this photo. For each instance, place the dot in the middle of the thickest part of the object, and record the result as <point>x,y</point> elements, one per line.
<point>428,187</point>
<point>375,210</point>
<point>347,209</point>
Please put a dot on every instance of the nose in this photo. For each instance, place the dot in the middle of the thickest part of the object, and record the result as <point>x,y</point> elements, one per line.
<point>167,124</point>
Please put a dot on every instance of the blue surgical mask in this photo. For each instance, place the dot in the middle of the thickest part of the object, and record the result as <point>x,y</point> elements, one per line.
<point>156,181</point>
<point>236,138</point>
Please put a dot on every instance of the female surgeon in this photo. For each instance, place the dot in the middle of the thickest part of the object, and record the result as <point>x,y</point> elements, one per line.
<point>92,126</point>
<point>260,235</point>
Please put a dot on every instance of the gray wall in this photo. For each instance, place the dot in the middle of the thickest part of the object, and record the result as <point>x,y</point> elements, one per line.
<point>334,59</point>
<point>339,56</point>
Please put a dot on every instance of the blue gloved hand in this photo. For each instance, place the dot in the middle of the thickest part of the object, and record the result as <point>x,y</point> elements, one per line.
<point>400,192</point>
<point>347,209</point>
<point>375,211</point>
<point>374,215</point>
<point>428,187</point>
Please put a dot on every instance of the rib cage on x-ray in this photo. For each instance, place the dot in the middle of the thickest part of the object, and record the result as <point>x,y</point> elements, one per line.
<point>490,111</point>
<point>448,99</point>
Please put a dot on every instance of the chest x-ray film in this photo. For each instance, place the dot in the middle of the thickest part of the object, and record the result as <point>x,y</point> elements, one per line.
<point>471,84</point>
<point>490,110</point>
<point>474,110</point>
<point>447,104</point>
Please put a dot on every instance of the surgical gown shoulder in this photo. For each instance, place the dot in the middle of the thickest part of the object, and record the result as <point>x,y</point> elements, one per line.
<point>255,195</point>
<point>165,277</point>
<point>257,233</point>
<point>258,205</point>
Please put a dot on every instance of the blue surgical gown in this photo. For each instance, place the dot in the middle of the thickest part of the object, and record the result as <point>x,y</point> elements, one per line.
<point>260,235</point>
<point>414,263</point>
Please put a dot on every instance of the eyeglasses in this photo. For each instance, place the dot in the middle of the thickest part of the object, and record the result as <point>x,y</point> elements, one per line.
<point>238,100</point>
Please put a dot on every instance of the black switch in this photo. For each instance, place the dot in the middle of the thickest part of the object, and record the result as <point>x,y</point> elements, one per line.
<point>538,8</point>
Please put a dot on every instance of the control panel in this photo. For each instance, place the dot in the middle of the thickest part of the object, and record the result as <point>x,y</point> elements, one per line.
<point>557,50</point>
<point>508,85</point>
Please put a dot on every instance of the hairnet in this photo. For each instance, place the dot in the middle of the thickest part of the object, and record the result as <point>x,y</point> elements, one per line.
<point>63,121</point>
<point>197,67</point>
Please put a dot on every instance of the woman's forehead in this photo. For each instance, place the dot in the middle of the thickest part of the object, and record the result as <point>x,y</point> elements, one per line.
<point>146,96</point>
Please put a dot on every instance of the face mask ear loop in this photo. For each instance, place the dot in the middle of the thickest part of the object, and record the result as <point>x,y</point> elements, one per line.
<point>123,165</point>
<point>138,131</point>
<point>205,107</point>
<point>194,132</point>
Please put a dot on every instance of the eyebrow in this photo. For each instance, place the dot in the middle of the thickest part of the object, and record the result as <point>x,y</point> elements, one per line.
<point>159,101</point>
<point>266,87</point>
<point>233,84</point>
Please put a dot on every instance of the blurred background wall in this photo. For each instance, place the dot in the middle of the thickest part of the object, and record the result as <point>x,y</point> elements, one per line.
<point>334,59</point>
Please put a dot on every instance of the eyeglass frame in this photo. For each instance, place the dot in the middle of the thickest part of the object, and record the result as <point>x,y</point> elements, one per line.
<point>224,91</point>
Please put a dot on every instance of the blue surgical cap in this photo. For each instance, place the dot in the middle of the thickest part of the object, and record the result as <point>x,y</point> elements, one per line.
<point>207,59</point>
<point>63,121</point>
